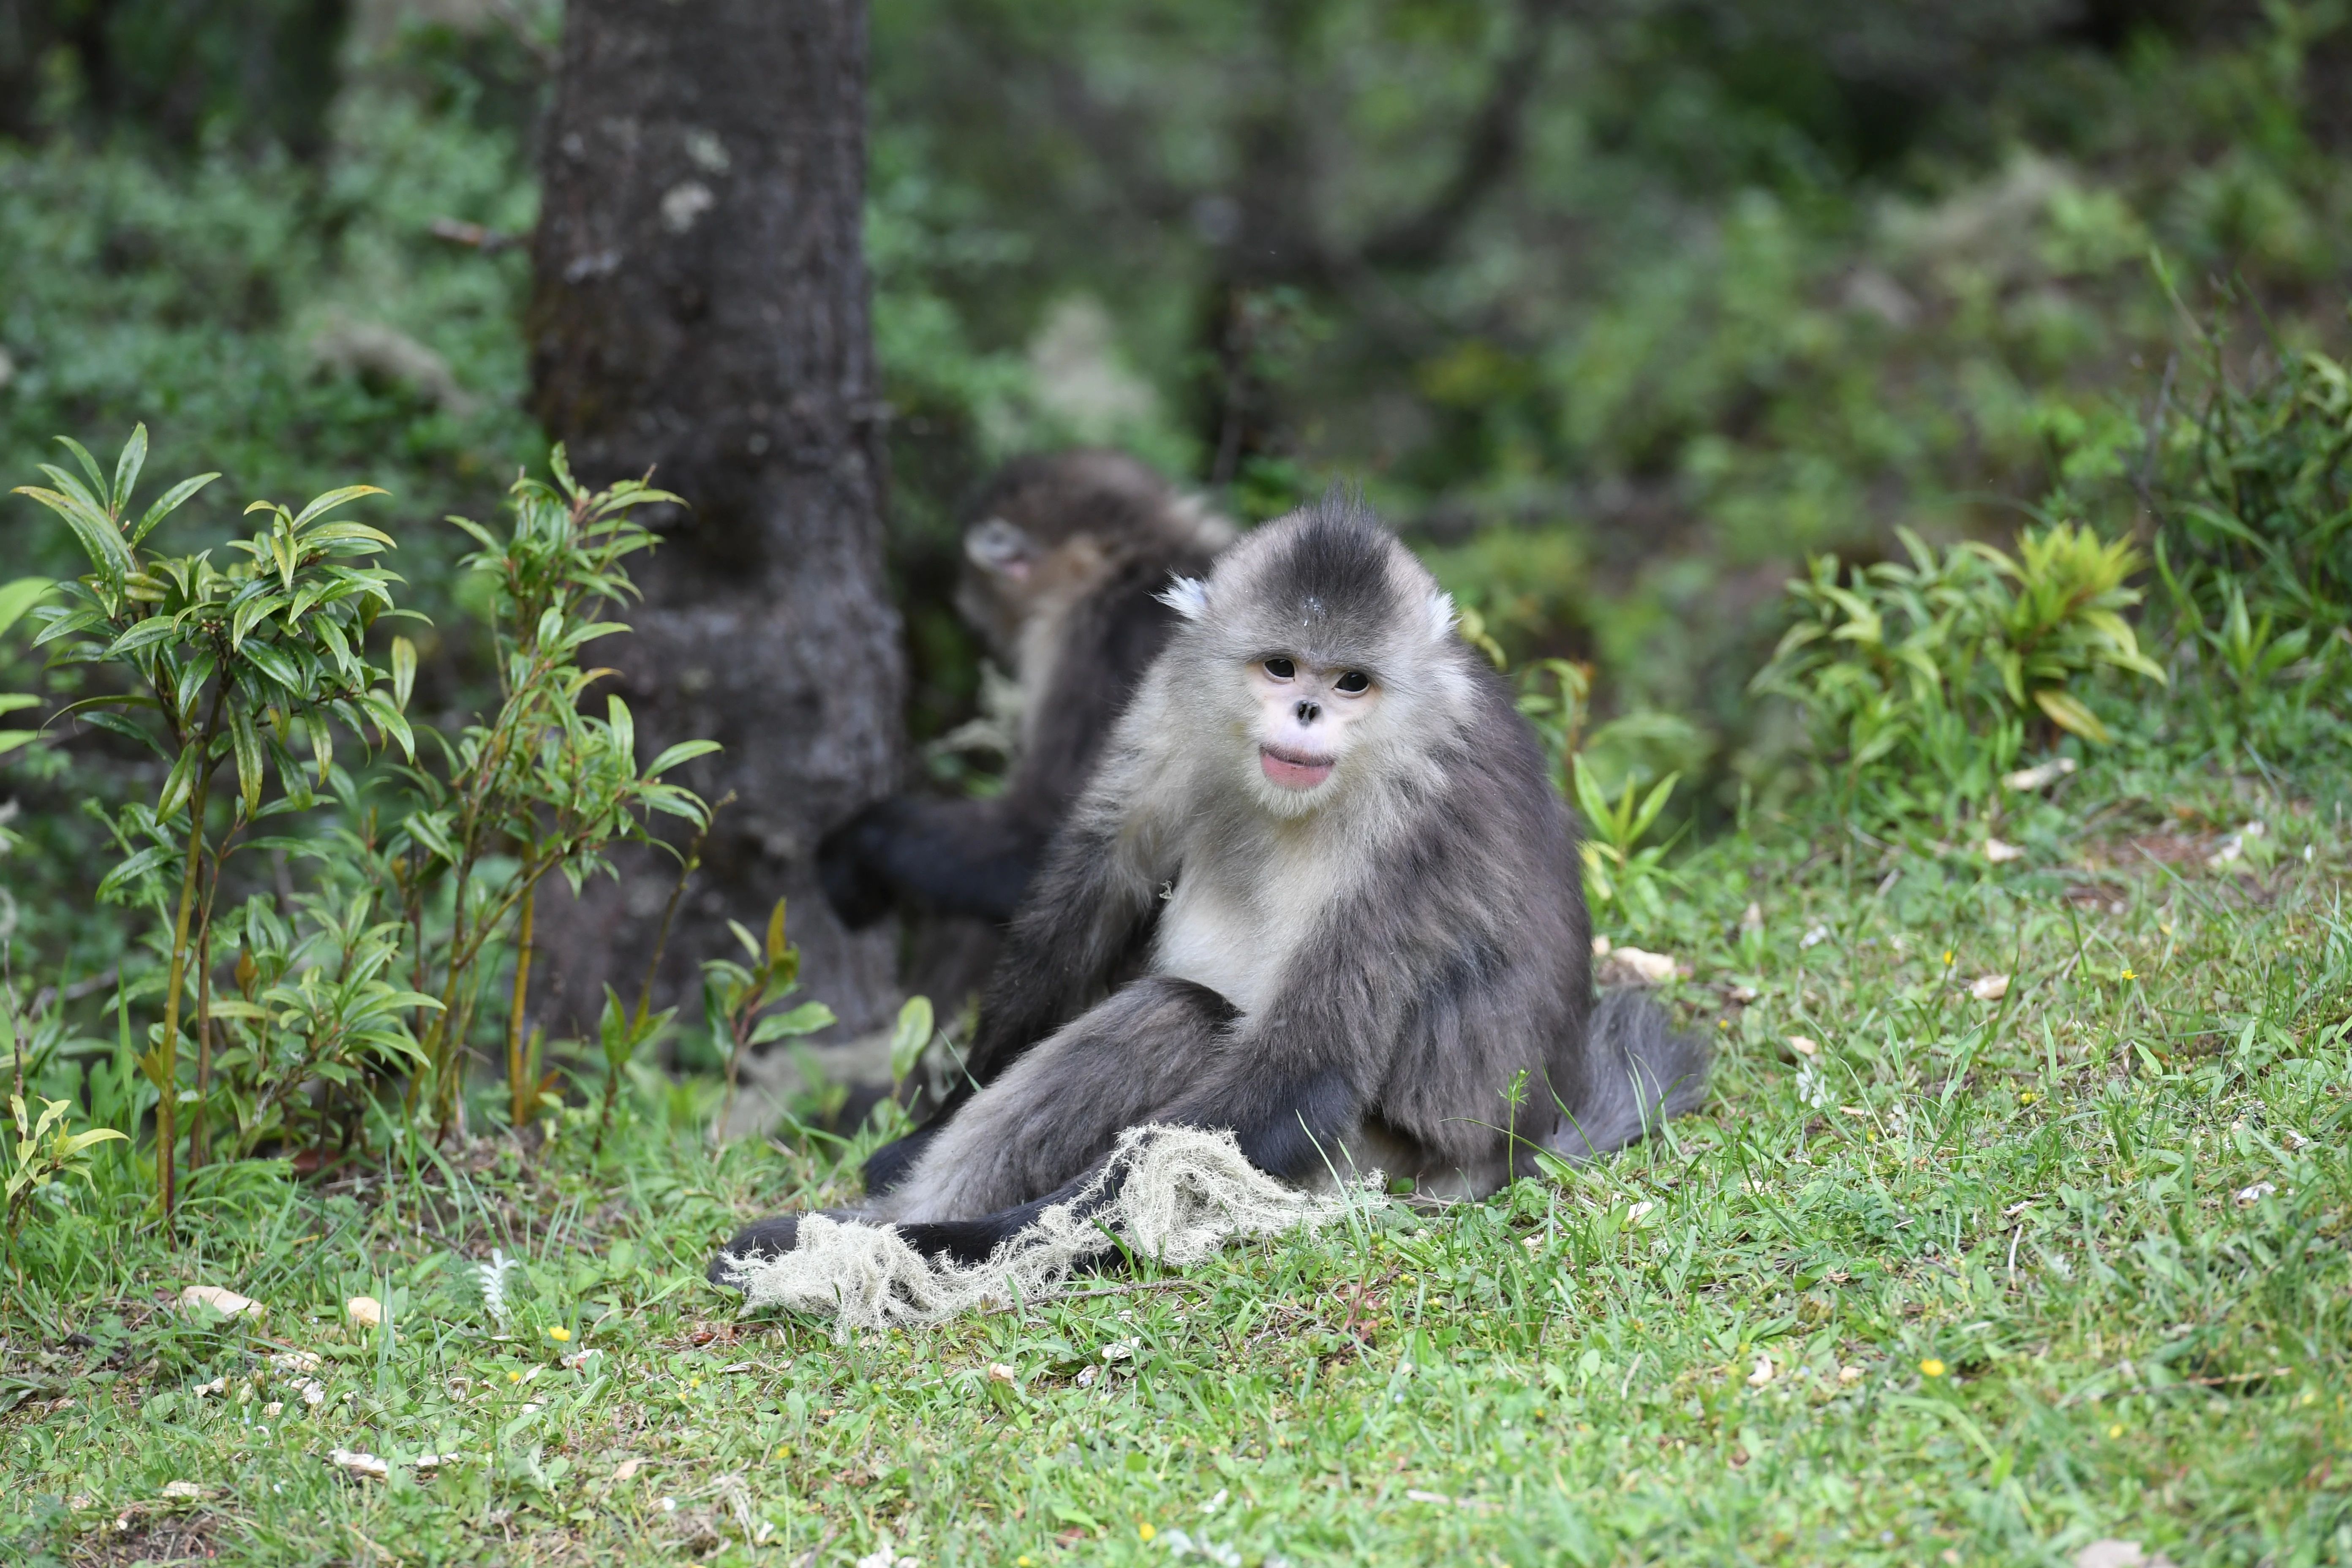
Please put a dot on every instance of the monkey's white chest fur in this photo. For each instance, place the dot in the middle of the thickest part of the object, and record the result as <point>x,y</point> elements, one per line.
<point>1238,913</point>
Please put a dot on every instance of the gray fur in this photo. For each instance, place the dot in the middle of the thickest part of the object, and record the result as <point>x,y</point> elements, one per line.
<point>1658,1074</point>
<point>1364,972</point>
<point>1094,535</point>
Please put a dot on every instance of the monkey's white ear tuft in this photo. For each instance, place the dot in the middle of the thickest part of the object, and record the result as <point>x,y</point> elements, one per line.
<point>1441,616</point>
<point>1188,597</point>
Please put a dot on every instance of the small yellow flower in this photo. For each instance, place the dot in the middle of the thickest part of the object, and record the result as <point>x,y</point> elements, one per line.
<point>2027,1097</point>
<point>1948,958</point>
<point>694,1382</point>
<point>2127,974</point>
<point>1024,1561</point>
<point>1144,1532</point>
<point>784,1452</point>
<point>2117,1430</point>
<point>561,1336</point>
<point>514,1377</point>
<point>1932,1367</point>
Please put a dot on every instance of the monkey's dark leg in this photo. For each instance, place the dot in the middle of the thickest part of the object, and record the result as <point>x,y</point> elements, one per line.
<point>1019,1144</point>
<point>1289,1121</point>
<point>951,857</point>
<point>973,1240</point>
<point>771,1238</point>
<point>1057,1110</point>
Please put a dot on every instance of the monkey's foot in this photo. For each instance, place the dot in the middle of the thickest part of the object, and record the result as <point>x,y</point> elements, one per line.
<point>770,1238</point>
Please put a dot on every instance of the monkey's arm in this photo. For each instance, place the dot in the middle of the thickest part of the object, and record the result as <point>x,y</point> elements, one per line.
<point>1086,911</point>
<point>952,857</point>
<point>1083,915</point>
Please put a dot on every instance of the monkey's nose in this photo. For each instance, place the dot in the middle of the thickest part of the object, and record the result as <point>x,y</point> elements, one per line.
<point>1308,712</point>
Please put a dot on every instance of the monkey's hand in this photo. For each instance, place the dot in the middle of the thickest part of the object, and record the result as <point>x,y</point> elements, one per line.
<point>951,857</point>
<point>845,865</point>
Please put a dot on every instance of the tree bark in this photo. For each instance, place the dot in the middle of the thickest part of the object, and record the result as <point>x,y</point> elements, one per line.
<point>699,308</point>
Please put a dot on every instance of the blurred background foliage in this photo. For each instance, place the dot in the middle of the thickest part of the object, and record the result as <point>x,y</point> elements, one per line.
<point>1622,308</point>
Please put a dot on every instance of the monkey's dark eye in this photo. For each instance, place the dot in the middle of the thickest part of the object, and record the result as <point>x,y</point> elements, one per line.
<point>1281,669</point>
<point>1355,681</point>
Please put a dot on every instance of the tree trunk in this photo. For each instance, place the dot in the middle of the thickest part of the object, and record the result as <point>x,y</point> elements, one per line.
<point>700,308</point>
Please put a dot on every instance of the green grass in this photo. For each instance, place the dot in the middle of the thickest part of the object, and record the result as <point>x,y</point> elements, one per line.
<point>2113,1208</point>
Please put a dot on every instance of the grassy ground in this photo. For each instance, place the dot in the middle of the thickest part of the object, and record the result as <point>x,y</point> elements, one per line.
<point>1980,1281</point>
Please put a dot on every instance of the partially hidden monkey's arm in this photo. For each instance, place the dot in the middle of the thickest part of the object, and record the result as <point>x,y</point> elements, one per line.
<point>951,857</point>
<point>1080,918</point>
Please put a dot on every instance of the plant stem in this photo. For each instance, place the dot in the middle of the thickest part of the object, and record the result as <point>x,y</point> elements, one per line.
<point>520,1094</point>
<point>15,1023</point>
<point>741,1031</point>
<point>167,1073</point>
<point>197,1141</point>
<point>686,870</point>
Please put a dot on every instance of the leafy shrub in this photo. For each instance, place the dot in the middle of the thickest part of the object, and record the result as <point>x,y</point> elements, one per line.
<point>2258,517</point>
<point>1937,666</point>
<point>422,874</point>
<point>15,598</point>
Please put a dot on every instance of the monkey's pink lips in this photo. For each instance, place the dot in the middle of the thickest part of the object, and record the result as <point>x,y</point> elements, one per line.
<point>1294,770</point>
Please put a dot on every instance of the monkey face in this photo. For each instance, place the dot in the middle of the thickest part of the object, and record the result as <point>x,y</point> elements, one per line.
<point>1304,711</point>
<point>1013,584</point>
<point>1327,653</point>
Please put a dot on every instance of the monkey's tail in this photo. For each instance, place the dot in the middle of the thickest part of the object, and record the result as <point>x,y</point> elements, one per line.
<point>1645,1072</point>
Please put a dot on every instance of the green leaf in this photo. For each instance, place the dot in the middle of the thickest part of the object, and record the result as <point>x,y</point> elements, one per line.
<point>89,465</point>
<point>334,499</point>
<point>388,718</point>
<point>20,595</point>
<point>624,733</point>
<point>69,1147</point>
<point>1590,800</point>
<point>776,943</point>
<point>1652,807</point>
<point>482,536</point>
<point>348,532</point>
<point>403,671</point>
<point>806,1019</point>
<point>273,662</point>
<point>178,785</point>
<point>117,724</point>
<point>12,739</point>
<point>251,613</point>
<point>95,531</point>
<point>2068,714</point>
<point>65,625</point>
<point>331,637</point>
<point>247,744</point>
<point>684,752</point>
<point>138,866</point>
<point>322,740</point>
<point>909,1037</point>
<point>169,502</point>
<point>144,634</point>
<point>126,469</point>
<point>430,830</point>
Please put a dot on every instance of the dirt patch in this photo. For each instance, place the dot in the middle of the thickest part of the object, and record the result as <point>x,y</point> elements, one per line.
<point>2166,848</point>
<point>150,1538</point>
